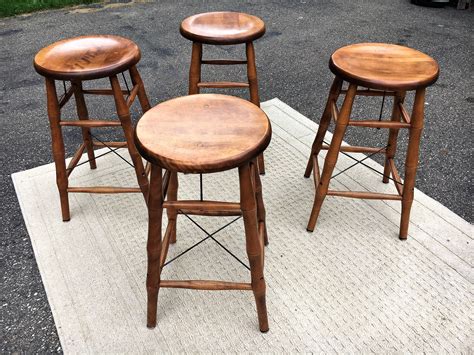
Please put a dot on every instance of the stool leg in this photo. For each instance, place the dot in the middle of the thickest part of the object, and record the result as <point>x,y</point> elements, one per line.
<point>155,215</point>
<point>261,213</point>
<point>83,114</point>
<point>195,68</point>
<point>411,162</point>
<point>59,156</point>
<point>137,80</point>
<point>255,248</point>
<point>253,88</point>
<point>172,195</point>
<point>393,135</point>
<point>124,116</point>
<point>331,157</point>
<point>323,124</point>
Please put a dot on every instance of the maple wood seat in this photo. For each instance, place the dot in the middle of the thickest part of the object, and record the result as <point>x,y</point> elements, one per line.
<point>384,70</point>
<point>74,61</point>
<point>218,132</point>
<point>87,57</point>
<point>384,66</point>
<point>199,134</point>
<point>224,28</point>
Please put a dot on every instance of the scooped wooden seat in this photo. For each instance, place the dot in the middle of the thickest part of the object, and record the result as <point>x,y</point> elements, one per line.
<point>218,132</point>
<point>384,66</point>
<point>87,57</point>
<point>222,28</point>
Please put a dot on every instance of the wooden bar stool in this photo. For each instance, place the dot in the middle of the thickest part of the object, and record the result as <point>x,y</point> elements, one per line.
<point>224,28</point>
<point>384,69</point>
<point>202,134</point>
<point>87,58</point>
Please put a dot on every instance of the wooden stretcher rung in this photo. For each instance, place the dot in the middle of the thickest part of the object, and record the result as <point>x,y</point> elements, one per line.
<point>223,62</point>
<point>356,149</point>
<point>109,144</point>
<point>378,124</point>
<point>197,206</point>
<point>132,96</point>
<point>210,213</point>
<point>316,172</point>
<point>206,285</point>
<point>75,159</point>
<point>334,111</point>
<point>404,113</point>
<point>102,92</point>
<point>222,85</point>
<point>165,245</point>
<point>104,189</point>
<point>396,177</point>
<point>66,97</point>
<point>364,195</point>
<point>371,93</point>
<point>90,123</point>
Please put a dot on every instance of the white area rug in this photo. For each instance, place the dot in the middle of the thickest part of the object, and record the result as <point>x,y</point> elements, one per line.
<point>351,286</point>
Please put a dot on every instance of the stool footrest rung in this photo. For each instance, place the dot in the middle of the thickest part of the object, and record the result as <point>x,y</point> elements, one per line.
<point>371,93</point>
<point>404,113</point>
<point>356,149</point>
<point>378,124</point>
<point>364,195</point>
<point>104,189</point>
<point>222,85</point>
<point>91,123</point>
<point>109,144</point>
<point>66,97</point>
<point>396,177</point>
<point>206,285</point>
<point>223,62</point>
<point>75,159</point>
<point>102,92</point>
<point>208,208</point>
<point>132,96</point>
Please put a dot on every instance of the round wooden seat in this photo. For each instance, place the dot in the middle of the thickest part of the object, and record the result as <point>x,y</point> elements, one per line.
<point>87,57</point>
<point>384,66</point>
<point>203,133</point>
<point>222,28</point>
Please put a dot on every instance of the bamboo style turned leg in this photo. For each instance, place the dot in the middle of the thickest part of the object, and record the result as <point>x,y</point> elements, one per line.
<point>323,124</point>
<point>393,135</point>
<point>261,213</point>
<point>155,215</point>
<point>124,116</point>
<point>411,162</point>
<point>195,68</point>
<point>59,155</point>
<point>172,212</point>
<point>142,97</point>
<point>332,155</point>
<point>83,114</point>
<point>253,88</point>
<point>255,247</point>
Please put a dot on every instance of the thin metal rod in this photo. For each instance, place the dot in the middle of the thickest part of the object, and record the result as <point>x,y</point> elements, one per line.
<point>228,251</point>
<point>113,150</point>
<point>357,162</point>
<point>206,238</point>
<point>201,188</point>
<point>88,160</point>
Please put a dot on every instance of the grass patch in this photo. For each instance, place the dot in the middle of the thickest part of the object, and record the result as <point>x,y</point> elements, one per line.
<point>15,7</point>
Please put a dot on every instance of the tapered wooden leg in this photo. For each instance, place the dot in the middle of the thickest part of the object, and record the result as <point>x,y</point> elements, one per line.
<point>331,156</point>
<point>83,114</point>
<point>172,212</point>
<point>195,68</point>
<point>57,141</point>
<point>142,97</point>
<point>411,162</point>
<point>393,135</point>
<point>255,248</point>
<point>155,213</point>
<point>253,88</point>
<point>260,205</point>
<point>124,116</point>
<point>323,124</point>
